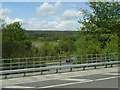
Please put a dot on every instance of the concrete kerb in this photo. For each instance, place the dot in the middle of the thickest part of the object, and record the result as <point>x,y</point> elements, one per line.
<point>7,82</point>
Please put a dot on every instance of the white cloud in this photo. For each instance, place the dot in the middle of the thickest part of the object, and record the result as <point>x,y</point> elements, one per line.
<point>71,15</point>
<point>31,23</point>
<point>8,20</point>
<point>70,25</point>
<point>5,12</point>
<point>35,24</point>
<point>47,9</point>
<point>18,20</point>
<point>49,25</point>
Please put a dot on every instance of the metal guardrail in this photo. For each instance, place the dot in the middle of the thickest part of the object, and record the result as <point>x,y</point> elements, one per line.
<point>33,64</point>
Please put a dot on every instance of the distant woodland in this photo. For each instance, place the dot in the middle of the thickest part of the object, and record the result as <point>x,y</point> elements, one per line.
<point>99,34</point>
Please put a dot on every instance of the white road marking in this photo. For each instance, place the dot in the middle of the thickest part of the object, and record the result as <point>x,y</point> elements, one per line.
<point>110,73</point>
<point>105,78</point>
<point>84,81</point>
<point>65,84</point>
<point>81,80</point>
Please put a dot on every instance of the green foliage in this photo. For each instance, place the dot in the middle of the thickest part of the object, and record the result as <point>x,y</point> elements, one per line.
<point>46,49</point>
<point>53,43</point>
<point>105,17</point>
<point>87,44</point>
<point>14,41</point>
<point>112,45</point>
<point>67,46</point>
<point>99,33</point>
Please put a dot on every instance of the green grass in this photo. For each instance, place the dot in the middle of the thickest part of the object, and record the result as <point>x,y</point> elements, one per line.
<point>38,43</point>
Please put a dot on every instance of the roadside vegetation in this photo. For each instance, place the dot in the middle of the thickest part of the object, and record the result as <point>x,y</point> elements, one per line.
<point>99,34</point>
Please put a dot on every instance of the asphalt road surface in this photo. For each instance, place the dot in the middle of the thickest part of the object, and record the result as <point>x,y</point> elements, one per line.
<point>89,81</point>
<point>101,80</point>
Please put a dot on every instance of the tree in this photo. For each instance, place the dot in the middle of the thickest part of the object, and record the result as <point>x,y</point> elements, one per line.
<point>14,41</point>
<point>67,46</point>
<point>104,19</point>
<point>87,44</point>
<point>98,27</point>
<point>112,46</point>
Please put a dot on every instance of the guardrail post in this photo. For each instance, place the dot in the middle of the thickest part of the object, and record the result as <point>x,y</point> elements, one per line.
<point>91,58</point>
<point>86,59</point>
<point>19,63</point>
<point>70,69</point>
<point>96,57</point>
<point>24,75</point>
<point>106,66</point>
<point>26,63</point>
<point>5,76</point>
<point>33,62</point>
<point>95,67</point>
<point>10,64</point>
<point>41,72</point>
<point>105,58</point>
<point>111,65</point>
<point>83,68</point>
<point>56,70</point>
<point>60,64</point>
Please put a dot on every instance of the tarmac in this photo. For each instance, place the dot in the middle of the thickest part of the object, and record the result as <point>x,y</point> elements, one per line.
<point>62,74</point>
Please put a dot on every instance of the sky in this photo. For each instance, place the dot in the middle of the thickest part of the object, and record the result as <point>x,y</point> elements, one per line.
<point>44,15</point>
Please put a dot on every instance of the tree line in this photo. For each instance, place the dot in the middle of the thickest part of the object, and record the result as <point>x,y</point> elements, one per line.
<point>99,34</point>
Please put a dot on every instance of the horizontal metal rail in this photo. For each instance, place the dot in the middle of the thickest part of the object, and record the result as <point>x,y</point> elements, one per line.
<point>6,72</point>
<point>31,63</point>
<point>59,56</point>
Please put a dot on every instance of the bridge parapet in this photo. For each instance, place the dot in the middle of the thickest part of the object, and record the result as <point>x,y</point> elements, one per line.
<point>35,63</point>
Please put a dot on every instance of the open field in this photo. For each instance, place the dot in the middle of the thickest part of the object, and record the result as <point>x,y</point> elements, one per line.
<point>38,43</point>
